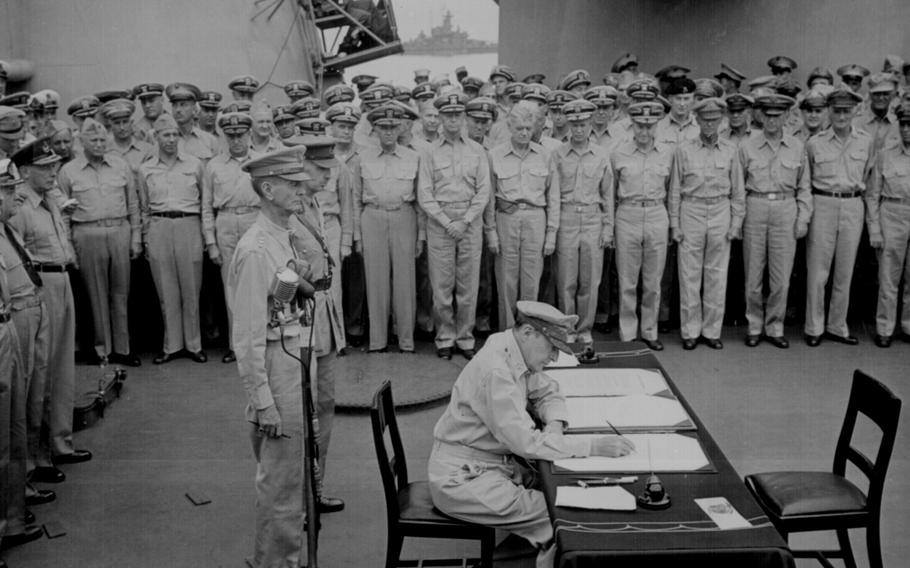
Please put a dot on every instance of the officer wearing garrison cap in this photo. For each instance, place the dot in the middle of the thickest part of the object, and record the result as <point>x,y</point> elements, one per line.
<point>878,120</point>
<point>490,428</point>
<point>119,114</point>
<point>192,139</point>
<point>706,207</point>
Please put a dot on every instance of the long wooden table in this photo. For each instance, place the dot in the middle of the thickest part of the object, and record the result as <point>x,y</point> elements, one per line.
<point>682,535</point>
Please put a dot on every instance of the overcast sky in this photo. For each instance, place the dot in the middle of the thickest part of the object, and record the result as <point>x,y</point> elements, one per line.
<point>480,18</point>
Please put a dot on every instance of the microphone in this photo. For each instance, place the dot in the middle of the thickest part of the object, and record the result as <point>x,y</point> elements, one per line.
<point>284,286</point>
<point>304,288</point>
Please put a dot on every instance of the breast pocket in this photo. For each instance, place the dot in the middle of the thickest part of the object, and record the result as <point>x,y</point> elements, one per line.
<point>537,178</point>
<point>593,171</point>
<point>825,165</point>
<point>442,168</point>
<point>509,177</point>
<point>789,172</point>
<point>189,184</point>
<point>371,171</point>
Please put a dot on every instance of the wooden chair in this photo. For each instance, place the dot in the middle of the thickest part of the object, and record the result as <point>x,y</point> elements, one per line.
<point>798,501</point>
<point>409,509</point>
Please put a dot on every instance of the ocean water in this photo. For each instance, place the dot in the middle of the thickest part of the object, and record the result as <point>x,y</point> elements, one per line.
<point>399,69</point>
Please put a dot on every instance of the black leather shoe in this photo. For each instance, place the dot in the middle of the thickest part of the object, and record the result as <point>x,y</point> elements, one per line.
<point>444,353</point>
<point>383,350</point>
<point>406,351</point>
<point>40,497</point>
<point>78,456</point>
<point>129,360</point>
<point>47,475</point>
<point>846,340</point>
<point>882,340</point>
<point>31,533</point>
<point>199,356</point>
<point>752,340</point>
<point>330,504</point>
<point>813,340</point>
<point>229,357</point>
<point>688,344</point>
<point>713,343</point>
<point>468,353</point>
<point>778,341</point>
<point>29,517</point>
<point>163,357</point>
<point>653,344</point>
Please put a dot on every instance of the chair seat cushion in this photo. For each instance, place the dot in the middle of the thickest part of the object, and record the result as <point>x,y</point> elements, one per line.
<point>793,493</point>
<point>417,505</point>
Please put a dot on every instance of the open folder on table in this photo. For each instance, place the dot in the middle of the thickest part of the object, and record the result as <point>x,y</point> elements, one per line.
<point>610,382</point>
<point>633,412</point>
<point>612,498</point>
<point>653,452</point>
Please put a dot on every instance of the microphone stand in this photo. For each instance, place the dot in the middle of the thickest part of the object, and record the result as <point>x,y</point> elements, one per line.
<point>310,454</point>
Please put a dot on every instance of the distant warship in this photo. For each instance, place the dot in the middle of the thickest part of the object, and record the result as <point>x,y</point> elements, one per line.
<point>446,40</point>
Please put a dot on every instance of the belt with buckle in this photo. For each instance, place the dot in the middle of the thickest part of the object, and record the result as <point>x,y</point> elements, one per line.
<point>772,195</point>
<point>900,200</point>
<point>173,214</point>
<point>322,284</point>
<point>388,206</point>
<point>241,210</point>
<point>505,206</point>
<point>642,202</point>
<point>706,200</point>
<point>578,207</point>
<point>5,317</point>
<point>48,267</point>
<point>115,222</point>
<point>838,194</point>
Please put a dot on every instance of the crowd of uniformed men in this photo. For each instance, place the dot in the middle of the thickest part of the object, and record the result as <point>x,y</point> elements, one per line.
<point>447,203</point>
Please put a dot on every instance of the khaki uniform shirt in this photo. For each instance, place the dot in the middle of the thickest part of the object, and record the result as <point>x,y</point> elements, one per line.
<point>135,153</point>
<point>884,130</point>
<point>701,170</point>
<point>770,169</point>
<point>176,188</point>
<point>641,174</point>
<point>454,172</point>
<point>671,131</point>
<point>199,143</point>
<point>43,229</point>
<point>890,179</point>
<point>839,165</point>
<point>386,179</point>
<point>585,178</point>
<point>224,184</point>
<point>738,138</point>
<point>18,285</point>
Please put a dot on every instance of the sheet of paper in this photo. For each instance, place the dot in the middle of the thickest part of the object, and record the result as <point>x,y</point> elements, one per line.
<point>608,382</point>
<point>564,360</point>
<point>633,411</point>
<point>722,513</point>
<point>609,498</point>
<point>653,452</point>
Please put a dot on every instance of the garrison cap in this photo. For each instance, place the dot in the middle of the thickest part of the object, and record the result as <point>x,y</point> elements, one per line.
<point>481,107</point>
<point>556,99</point>
<point>363,81</point>
<point>238,106</point>
<point>401,94</point>
<point>261,111</point>
<point>556,326</point>
<point>820,73</point>
<point>535,78</point>
<point>118,108</point>
<point>91,126</point>
<point>730,73</point>
<point>313,126</point>
<point>472,84</point>
<point>105,96</point>
<point>708,88</point>
<point>577,78</point>
<point>421,75</point>
<point>843,97</point>
<point>286,163</point>
<point>282,113</point>
<point>738,101</point>
<point>339,93</point>
<point>578,110</point>
<point>601,95</point>
<point>143,90</point>
<point>210,99</point>
<point>789,87</point>
<point>451,103</point>
<point>55,127</point>
<point>235,122</point>
<point>9,173</point>
<point>376,95</point>
<point>299,88</point>
<point>307,107</point>
<point>671,72</point>
<point>16,100</point>
<point>774,104</point>
<point>681,86</point>
<point>503,71</point>
<point>535,92</point>
<point>646,112</point>
<point>513,90</point>
<point>625,60</point>
<point>407,112</point>
<point>423,91</point>
<point>182,92</point>
<point>853,70</point>
<point>781,62</point>
<point>903,113</point>
<point>386,114</point>
<point>36,153</point>
<point>643,90</point>
<point>86,105</point>
<point>816,97</point>
<point>244,84</point>
<point>343,112</point>
<point>51,99</point>
<point>712,107</point>
<point>165,122</point>
<point>882,83</point>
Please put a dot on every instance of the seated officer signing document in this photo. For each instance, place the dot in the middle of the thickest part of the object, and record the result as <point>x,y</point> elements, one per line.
<point>497,403</point>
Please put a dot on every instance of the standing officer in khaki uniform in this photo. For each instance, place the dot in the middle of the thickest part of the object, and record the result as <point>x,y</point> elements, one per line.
<point>522,216</point>
<point>888,221</point>
<point>170,191</point>
<point>839,160</point>
<point>106,235</point>
<point>229,204</point>
<point>778,210</point>
<point>453,191</point>
<point>585,217</point>
<point>641,170</point>
<point>151,99</point>
<point>192,139</point>
<point>706,206</point>
<point>390,228</point>
<point>119,114</point>
<point>555,101</point>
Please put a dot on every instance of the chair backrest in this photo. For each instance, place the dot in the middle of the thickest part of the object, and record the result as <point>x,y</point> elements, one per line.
<point>875,401</point>
<point>394,469</point>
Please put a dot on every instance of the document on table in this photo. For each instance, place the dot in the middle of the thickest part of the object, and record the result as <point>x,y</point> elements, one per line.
<point>610,382</point>
<point>609,498</point>
<point>653,452</point>
<point>722,513</point>
<point>633,412</point>
<point>564,360</point>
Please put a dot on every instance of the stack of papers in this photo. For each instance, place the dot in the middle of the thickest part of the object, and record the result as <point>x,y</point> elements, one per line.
<point>636,412</point>
<point>609,382</point>
<point>609,498</point>
<point>653,452</point>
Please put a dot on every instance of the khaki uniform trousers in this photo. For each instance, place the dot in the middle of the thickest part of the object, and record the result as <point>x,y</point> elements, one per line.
<point>175,257</point>
<point>322,388</point>
<point>56,436</point>
<point>834,235</point>
<point>489,489</point>
<point>703,257</point>
<point>454,268</point>
<point>769,240</point>
<point>279,473</point>
<point>519,264</point>
<point>104,263</point>
<point>332,227</point>
<point>579,263</point>
<point>893,263</point>
<point>641,251</point>
<point>13,440</point>
<point>229,227</point>
<point>389,245</point>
